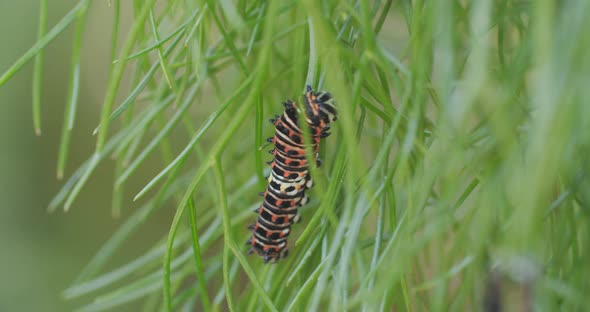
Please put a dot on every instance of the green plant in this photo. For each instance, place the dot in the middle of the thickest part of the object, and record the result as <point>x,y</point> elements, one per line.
<point>456,174</point>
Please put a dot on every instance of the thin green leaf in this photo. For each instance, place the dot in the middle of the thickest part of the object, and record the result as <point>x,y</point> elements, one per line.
<point>72,104</point>
<point>197,256</point>
<point>189,147</point>
<point>38,70</point>
<point>44,41</point>
<point>159,49</point>
<point>161,134</point>
<point>117,75</point>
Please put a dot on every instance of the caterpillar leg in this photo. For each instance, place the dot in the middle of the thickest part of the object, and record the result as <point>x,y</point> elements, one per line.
<point>308,182</point>
<point>274,119</point>
<point>267,256</point>
<point>304,200</point>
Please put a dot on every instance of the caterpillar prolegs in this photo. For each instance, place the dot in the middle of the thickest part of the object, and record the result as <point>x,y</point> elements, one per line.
<point>289,176</point>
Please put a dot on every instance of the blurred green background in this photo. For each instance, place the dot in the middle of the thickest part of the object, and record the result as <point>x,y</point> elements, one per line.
<point>41,253</point>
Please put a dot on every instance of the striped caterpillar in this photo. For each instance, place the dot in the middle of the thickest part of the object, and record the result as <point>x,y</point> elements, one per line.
<point>289,177</point>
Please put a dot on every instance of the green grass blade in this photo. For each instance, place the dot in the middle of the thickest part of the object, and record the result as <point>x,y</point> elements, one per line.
<point>197,256</point>
<point>159,49</point>
<point>71,105</point>
<point>130,225</point>
<point>43,42</point>
<point>190,146</point>
<point>106,109</point>
<point>229,243</point>
<point>117,75</point>
<point>126,270</point>
<point>115,31</point>
<point>138,289</point>
<point>161,134</point>
<point>232,14</point>
<point>143,83</point>
<point>38,70</point>
<point>306,288</point>
<point>92,163</point>
<point>178,32</point>
<point>196,24</point>
<point>172,235</point>
<point>456,269</point>
<point>228,40</point>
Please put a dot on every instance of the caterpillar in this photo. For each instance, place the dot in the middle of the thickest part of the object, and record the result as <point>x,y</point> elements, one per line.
<point>289,176</point>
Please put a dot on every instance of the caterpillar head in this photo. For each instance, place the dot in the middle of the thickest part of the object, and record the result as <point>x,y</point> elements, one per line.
<point>319,107</point>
